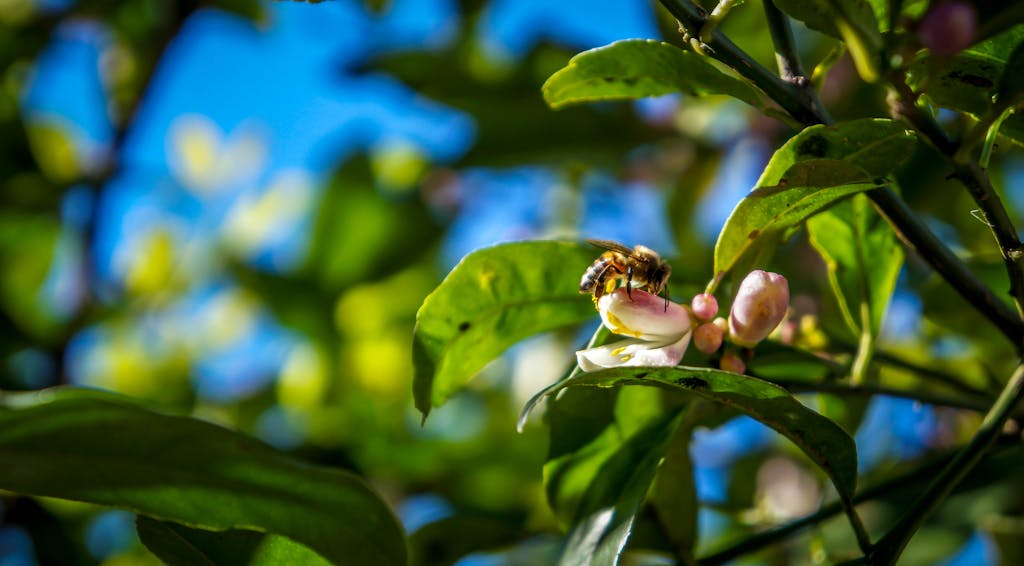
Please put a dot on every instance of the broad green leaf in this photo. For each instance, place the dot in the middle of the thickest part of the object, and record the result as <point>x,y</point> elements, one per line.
<point>583,435</point>
<point>812,171</point>
<point>494,298</point>
<point>637,68</point>
<point>605,516</point>
<point>863,258</point>
<point>827,445</point>
<point>178,545</point>
<point>101,448</point>
<point>674,495</point>
<point>969,82</point>
<point>876,145</point>
<point>768,213</point>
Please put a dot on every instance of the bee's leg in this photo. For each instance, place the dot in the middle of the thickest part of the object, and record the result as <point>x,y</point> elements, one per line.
<point>666,297</point>
<point>629,282</point>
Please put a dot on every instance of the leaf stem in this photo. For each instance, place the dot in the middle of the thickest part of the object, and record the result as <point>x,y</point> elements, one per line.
<point>892,544</point>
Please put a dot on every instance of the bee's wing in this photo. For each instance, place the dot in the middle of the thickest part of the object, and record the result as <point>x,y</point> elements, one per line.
<point>612,246</point>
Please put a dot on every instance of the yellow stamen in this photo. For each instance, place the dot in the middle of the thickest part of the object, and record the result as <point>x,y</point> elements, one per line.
<point>616,326</point>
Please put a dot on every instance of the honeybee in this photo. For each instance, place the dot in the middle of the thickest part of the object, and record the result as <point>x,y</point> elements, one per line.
<point>640,268</point>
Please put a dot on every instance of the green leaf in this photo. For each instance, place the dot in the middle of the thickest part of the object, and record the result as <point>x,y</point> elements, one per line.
<point>101,448</point>
<point>876,145</point>
<point>674,495</point>
<point>178,545</point>
<point>492,299</point>
<point>827,445</point>
<point>768,213</point>
<point>637,68</point>
<point>969,82</point>
<point>583,435</point>
<point>812,171</point>
<point>606,513</point>
<point>863,258</point>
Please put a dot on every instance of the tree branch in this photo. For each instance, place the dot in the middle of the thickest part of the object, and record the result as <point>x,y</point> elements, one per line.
<point>914,233</point>
<point>977,183</point>
<point>773,536</point>
<point>892,544</point>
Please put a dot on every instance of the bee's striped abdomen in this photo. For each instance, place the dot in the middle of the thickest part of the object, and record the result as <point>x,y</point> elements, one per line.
<point>592,276</point>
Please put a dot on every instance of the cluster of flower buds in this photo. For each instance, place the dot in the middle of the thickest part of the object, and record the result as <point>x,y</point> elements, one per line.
<point>658,335</point>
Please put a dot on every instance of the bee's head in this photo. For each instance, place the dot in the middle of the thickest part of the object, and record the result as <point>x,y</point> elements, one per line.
<point>659,278</point>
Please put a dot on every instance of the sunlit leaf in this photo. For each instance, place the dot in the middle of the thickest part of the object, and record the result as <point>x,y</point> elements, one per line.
<point>764,217</point>
<point>178,545</point>
<point>100,448</point>
<point>876,145</point>
<point>812,171</point>
<point>863,258</point>
<point>494,298</point>
<point>639,68</point>
<point>827,445</point>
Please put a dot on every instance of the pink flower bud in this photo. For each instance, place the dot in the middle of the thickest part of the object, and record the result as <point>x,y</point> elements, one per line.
<point>949,27</point>
<point>705,306</point>
<point>708,337</point>
<point>731,362</point>
<point>759,307</point>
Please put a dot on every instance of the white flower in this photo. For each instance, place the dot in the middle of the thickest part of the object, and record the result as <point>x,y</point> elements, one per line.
<point>658,335</point>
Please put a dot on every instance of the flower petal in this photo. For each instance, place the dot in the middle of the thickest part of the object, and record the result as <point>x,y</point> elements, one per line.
<point>633,352</point>
<point>643,316</point>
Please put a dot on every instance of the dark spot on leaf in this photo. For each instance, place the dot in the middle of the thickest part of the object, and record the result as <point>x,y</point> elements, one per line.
<point>814,146</point>
<point>970,79</point>
<point>641,375</point>
<point>610,79</point>
<point>692,383</point>
<point>753,234</point>
<point>629,81</point>
<point>464,326</point>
